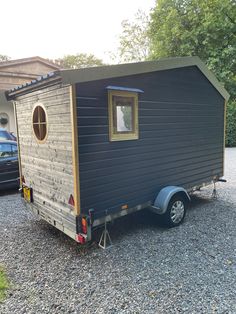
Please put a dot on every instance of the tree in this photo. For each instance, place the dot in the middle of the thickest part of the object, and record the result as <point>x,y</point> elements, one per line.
<point>230,126</point>
<point>80,60</point>
<point>127,117</point>
<point>134,41</point>
<point>4,58</point>
<point>203,28</point>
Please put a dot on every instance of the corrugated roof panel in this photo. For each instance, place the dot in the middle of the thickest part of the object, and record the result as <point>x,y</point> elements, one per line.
<point>33,82</point>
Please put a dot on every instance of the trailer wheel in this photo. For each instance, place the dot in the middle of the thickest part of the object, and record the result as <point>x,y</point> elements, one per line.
<point>176,211</point>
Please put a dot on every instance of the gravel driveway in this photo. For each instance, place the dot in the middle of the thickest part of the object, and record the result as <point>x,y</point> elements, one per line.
<point>188,269</point>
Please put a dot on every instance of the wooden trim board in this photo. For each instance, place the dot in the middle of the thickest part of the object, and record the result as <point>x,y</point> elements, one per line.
<point>18,142</point>
<point>123,136</point>
<point>75,150</point>
<point>224,141</point>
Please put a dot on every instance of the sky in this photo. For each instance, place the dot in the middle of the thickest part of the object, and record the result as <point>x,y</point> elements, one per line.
<point>52,29</point>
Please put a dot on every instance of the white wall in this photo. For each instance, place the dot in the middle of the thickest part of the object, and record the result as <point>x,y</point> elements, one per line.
<point>7,108</point>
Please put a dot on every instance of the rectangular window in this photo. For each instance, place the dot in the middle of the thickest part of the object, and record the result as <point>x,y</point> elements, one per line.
<point>123,115</point>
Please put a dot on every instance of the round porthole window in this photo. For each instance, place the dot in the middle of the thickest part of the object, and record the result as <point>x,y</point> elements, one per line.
<point>40,123</point>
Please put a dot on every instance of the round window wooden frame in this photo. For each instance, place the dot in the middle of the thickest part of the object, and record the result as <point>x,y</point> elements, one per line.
<point>46,123</point>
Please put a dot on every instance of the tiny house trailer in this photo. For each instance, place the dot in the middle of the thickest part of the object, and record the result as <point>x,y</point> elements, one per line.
<point>99,143</point>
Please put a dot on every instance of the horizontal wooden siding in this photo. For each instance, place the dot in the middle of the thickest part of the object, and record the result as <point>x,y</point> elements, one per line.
<point>47,167</point>
<point>181,126</point>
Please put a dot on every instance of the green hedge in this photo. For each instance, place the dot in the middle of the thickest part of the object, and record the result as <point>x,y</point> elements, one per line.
<point>231,124</point>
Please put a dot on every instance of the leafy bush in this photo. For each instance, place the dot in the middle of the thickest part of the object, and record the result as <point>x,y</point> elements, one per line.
<point>231,124</point>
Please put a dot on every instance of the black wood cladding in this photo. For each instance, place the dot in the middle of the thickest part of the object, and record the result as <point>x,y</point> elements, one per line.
<point>181,135</point>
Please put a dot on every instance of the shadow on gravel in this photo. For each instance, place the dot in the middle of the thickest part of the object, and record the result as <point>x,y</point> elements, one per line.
<point>199,200</point>
<point>131,224</point>
<point>145,219</point>
<point>120,228</point>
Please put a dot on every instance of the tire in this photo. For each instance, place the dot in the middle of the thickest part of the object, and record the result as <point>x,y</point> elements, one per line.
<point>175,212</point>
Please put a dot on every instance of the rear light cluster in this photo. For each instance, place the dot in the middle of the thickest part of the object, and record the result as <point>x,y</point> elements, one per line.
<point>81,238</point>
<point>84,225</point>
<point>84,234</point>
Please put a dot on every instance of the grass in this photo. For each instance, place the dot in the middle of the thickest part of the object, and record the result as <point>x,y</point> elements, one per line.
<point>4,284</point>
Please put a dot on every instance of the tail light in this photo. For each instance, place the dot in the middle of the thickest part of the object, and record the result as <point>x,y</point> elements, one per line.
<point>81,238</point>
<point>84,225</point>
<point>84,229</point>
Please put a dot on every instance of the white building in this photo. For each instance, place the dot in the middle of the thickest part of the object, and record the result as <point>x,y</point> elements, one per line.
<point>18,72</point>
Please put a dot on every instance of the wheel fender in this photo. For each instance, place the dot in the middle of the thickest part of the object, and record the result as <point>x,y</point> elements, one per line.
<point>164,196</point>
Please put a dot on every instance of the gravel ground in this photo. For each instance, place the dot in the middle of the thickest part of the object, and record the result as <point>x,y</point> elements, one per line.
<point>149,269</point>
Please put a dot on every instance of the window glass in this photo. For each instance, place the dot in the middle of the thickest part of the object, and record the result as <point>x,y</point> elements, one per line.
<point>42,115</point>
<point>36,115</point>
<point>4,135</point>
<point>124,119</point>
<point>40,123</point>
<point>123,115</point>
<point>14,150</point>
<point>5,150</point>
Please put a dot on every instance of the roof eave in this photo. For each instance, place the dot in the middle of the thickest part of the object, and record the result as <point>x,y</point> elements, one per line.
<point>106,72</point>
<point>212,79</point>
<point>12,94</point>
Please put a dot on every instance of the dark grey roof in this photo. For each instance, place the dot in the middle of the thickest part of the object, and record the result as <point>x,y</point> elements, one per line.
<point>34,82</point>
<point>106,72</point>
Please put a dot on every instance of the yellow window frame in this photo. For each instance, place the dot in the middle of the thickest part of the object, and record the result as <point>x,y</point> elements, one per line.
<point>115,135</point>
<point>42,134</point>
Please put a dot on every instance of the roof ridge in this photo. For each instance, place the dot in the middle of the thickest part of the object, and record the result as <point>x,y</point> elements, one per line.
<point>30,59</point>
